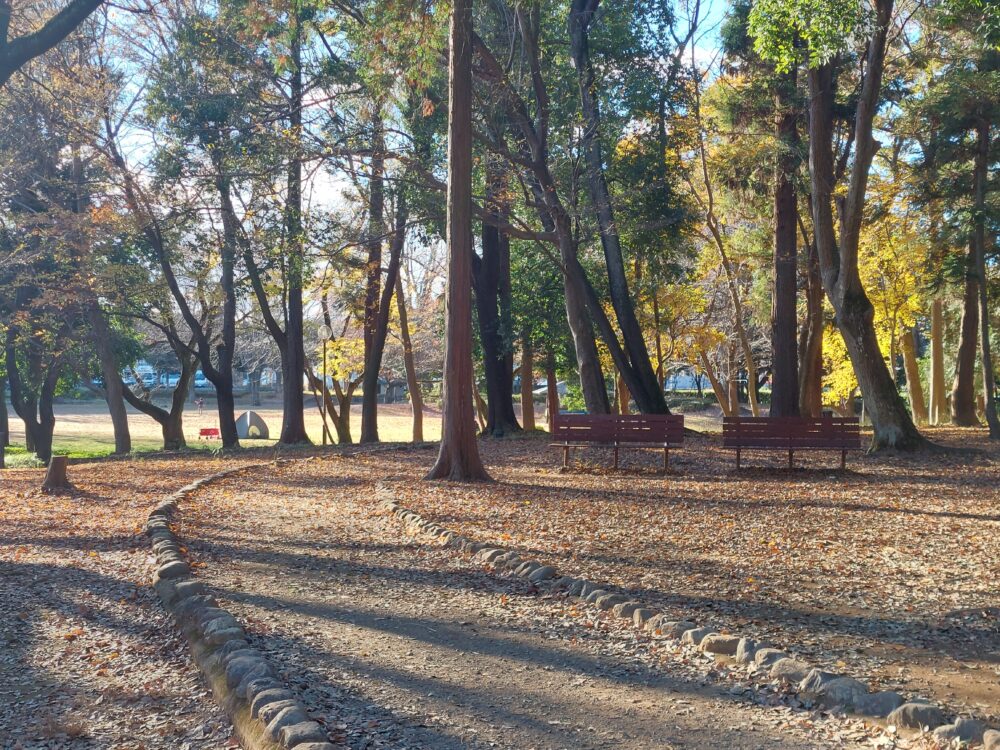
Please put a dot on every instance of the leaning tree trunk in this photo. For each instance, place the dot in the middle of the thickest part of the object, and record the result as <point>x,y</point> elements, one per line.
<point>908,345</point>
<point>938,400</point>
<point>527,383</point>
<point>412,384</point>
<point>458,458</point>
<point>979,241</point>
<point>784,357</point>
<point>963,391</point>
<point>892,425</point>
<point>4,414</point>
<point>641,375</point>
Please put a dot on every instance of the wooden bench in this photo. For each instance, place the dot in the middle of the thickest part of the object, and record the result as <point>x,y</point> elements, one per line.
<point>209,433</point>
<point>664,431</point>
<point>792,434</point>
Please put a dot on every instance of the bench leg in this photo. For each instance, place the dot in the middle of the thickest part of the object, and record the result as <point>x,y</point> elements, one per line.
<point>565,456</point>
<point>791,460</point>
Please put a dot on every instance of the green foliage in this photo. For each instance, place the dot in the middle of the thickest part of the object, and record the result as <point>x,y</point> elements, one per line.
<point>789,32</point>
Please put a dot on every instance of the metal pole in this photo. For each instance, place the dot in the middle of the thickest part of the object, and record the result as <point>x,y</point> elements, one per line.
<point>324,390</point>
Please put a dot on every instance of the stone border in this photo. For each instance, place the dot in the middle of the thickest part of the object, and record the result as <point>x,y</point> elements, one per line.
<point>813,686</point>
<point>265,715</point>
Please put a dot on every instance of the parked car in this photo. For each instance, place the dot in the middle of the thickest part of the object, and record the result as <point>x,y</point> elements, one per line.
<point>200,381</point>
<point>170,379</point>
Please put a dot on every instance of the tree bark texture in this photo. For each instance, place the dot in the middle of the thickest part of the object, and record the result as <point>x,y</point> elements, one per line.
<point>981,171</point>
<point>412,384</point>
<point>908,346</point>
<point>963,391</point>
<point>527,383</point>
<point>938,400</point>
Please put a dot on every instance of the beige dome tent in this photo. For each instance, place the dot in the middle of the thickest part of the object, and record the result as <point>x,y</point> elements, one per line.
<point>251,425</point>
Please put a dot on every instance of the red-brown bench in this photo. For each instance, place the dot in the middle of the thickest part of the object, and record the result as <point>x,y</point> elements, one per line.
<point>792,434</point>
<point>659,431</point>
<point>209,433</point>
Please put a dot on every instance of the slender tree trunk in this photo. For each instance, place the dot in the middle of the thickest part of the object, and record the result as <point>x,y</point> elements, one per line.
<point>811,348</point>
<point>527,383</point>
<point>458,458</point>
<point>412,384</point>
<point>374,236</point>
<point>293,420</point>
<point>908,346</point>
<point>979,241</point>
<point>643,383</point>
<point>4,414</point>
<point>784,324</point>
<point>963,392</point>
<point>720,393</point>
<point>373,364</point>
<point>938,400</point>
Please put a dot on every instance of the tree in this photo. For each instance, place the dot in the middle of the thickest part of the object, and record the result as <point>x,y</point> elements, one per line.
<point>776,26</point>
<point>15,52</point>
<point>458,458</point>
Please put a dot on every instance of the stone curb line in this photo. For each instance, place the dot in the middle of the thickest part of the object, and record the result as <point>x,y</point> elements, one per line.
<point>265,715</point>
<point>813,686</point>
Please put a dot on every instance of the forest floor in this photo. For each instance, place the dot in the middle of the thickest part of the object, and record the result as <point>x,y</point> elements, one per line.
<point>886,571</point>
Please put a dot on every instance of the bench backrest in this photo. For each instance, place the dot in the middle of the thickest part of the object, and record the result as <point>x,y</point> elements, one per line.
<point>609,428</point>
<point>837,433</point>
<point>663,429</point>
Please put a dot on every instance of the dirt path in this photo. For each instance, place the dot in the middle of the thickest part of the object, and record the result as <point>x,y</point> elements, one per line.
<point>393,644</point>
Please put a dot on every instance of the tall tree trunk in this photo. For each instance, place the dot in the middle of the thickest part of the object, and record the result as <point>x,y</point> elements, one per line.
<point>811,347</point>
<point>784,356</point>
<point>963,391</point>
<point>979,241</point>
<point>527,383</point>
<point>938,400</point>
<point>720,393</point>
<point>4,414</point>
<point>491,281</point>
<point>891,421</point>
<point>623,395</point>
<point>908,346</point>
<point>293,359</point>
<point>642,381</point>
<point>375,235</point>
<point>458,458</point>
<point>110,373</point>
<point>373,364</point>
<point>412,384</point>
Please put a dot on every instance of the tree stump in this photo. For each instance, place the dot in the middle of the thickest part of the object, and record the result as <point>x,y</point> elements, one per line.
<point>55,477</point>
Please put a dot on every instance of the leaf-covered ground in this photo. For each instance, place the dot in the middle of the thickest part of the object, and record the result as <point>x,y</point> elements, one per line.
<point>395,643</point>
<point>887,571</point>
<point>88,659</point>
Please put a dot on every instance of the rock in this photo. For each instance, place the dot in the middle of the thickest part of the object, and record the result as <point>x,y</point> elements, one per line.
<point>294,735</point>
<point>594,595</point>
<point>724,645</point>
<point>240,666</point>
<point>915,715</point>
<point>184,589</point>
<point>766,657</point>
<point>175,569</point>
<point>642,615</point>
<point>563,583</point>
<point>258,685</point>
<point>543,573</point>
<point>263,674</point>
<point>745,650</point>
<point>609,600</point>
<point>267,711</point>
<point>676,628</point>
<point>315,746</point>
<point>830,690</point>
<point>286,717</point>
<point>222,622</point>
<point>265,697</point>
<point>221,637</point>
<point>512,563</point>
<point>625,609</point>
<point>576,587</point>
<point>789,671</point>
<point>230,647</point>
<point>964,729</point>
<point>879,704</point>
<point>525,569</point>
<point>695,636</point>
<point>587,589</point>
<point>991,740</point>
